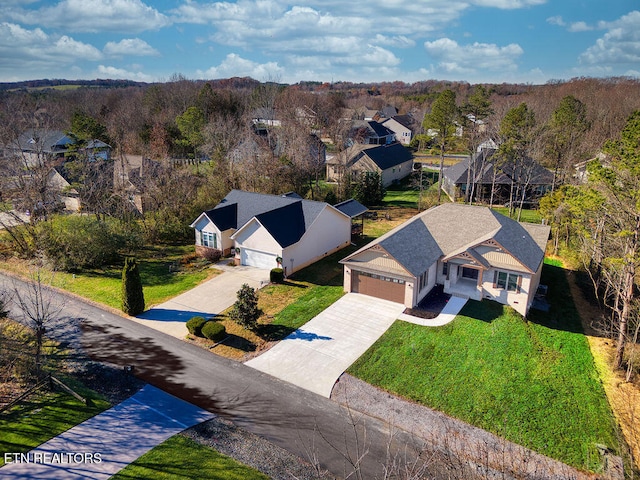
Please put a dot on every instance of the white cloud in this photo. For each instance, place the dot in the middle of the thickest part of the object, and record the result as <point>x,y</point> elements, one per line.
<point>579,27</point>
<point>104,71</point>
<point>130,46</point>
<point>236,66</point>
<point>619,46</point>
<point>508,4</point>
<point>556,20</point>
<point>95,16</point>
<point>463,59</point>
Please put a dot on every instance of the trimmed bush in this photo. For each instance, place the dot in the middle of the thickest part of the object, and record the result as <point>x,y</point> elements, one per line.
<point>210,254</point>
<point>132,294</point>
<point>214,331</point>
<point>276,275</point>
<point>195,324</point>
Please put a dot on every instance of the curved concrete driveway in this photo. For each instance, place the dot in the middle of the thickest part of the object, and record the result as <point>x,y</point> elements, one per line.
<point>208,298</point>
<point>314,356</point>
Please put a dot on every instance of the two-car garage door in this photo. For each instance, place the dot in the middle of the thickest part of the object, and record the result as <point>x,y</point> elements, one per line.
<point>378,286</point>
<point>255,258</point>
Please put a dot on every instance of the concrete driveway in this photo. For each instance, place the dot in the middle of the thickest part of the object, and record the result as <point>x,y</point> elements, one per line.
<point>119,436</point>
<point>314,356</point>
<point>208,298</point>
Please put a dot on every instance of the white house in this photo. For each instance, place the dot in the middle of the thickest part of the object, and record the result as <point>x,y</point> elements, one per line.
<point>472,251</point>
<point>269,230</point>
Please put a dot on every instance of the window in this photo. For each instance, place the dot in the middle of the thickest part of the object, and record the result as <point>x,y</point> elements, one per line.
<point>209,240</point>
<point>470,273</point>
<point>422,280</point>
<point>445,268</point>
<point>507,281</point>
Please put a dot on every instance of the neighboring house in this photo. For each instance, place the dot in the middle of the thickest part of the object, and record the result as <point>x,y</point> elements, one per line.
<point>393,162</point>
<point>267,230</point>
<point>265,117</point>
<point>403,126</point>
<point>370,133</point>
<point>529,179</point>
<point>471,251</point>
<point>132,175</point>
<point>60,184</point>
<point>38,146</point>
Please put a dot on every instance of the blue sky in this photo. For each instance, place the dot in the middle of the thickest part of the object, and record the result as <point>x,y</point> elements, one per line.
<point>528,41</point>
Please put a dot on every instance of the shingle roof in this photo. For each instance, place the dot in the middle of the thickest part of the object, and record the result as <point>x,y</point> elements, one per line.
<point>388,156</point>
<point>239,207</point>
<point>351,208</point>
<point>450,227</point>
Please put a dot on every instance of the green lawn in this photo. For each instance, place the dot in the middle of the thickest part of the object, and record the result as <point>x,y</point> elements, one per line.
<point>310,304</point>
<point>531,216</point>
<point>533,382</point>
<point>159,281</point>
<point>43,416</point>
<point>182,458</point>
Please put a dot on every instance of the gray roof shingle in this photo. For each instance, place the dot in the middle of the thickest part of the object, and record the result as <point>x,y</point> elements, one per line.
<point>451,228</point>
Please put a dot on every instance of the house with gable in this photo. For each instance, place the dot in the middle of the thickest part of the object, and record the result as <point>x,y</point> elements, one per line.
<point>403,126</point>
<point>265,231</point>
<point>393,162</point>
<point>472,251</point>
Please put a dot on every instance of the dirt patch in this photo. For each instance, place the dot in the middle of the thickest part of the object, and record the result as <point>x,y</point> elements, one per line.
<point>624,397</point>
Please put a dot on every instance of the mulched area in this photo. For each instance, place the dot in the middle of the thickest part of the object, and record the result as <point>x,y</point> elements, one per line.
<point>431,305</point>
<point>112,382</point>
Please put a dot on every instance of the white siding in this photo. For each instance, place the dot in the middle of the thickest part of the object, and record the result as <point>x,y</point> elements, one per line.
<point>518,300</point>
<point>396,173</point>
<point>330,232</point>
<point>255,237</point>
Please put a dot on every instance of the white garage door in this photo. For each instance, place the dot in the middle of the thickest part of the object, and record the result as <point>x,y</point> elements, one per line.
<point>254,258</point>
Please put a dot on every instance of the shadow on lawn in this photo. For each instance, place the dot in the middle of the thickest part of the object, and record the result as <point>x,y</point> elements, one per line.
<point>273,333</point>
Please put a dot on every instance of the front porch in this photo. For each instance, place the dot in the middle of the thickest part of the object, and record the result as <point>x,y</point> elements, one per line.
<point>465,282</point>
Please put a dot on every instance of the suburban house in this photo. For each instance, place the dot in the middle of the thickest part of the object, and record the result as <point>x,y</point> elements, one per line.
<point>403,126</point>
<point>471,251</point>
<point>38,146</point>
<point>269,230</point>
<point>529,179</point>
<point>393,162</point>
<point>370,133</point>
<point>354,210</point>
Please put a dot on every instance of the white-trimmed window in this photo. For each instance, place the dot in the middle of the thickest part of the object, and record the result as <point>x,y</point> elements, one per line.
<point>209,239</point>
<point>510,282</point>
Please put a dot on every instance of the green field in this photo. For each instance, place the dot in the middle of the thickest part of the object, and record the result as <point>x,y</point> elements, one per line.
<point>180,458</point>
<point>533,383</point>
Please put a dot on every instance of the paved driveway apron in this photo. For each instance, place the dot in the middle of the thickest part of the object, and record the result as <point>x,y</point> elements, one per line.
<point>314,356</point>
<point>208,298</point>
<point>119,435</point>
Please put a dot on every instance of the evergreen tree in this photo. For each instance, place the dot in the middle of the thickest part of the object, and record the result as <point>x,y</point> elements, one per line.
<point>132,294</point>
<point>245,311</point>
<point>368,189</point>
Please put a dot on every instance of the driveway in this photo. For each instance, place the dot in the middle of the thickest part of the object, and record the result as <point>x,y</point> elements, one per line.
<point>207,299</point>
<point>119,435</point>
<point>314,356</point>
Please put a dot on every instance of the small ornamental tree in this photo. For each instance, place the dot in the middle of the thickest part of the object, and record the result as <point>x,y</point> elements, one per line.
<point>132,295</point>
<point>245,311</point>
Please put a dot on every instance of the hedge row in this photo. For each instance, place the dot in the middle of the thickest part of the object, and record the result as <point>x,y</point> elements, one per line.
<point>200,327</point>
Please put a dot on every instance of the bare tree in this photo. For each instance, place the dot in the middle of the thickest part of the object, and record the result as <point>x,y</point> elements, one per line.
<point>41,309</point>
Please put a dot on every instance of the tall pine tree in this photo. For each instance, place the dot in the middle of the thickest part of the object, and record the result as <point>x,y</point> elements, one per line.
<point>132,295</point>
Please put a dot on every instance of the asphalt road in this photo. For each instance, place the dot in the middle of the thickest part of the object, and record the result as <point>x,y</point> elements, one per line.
<point>299,421</point>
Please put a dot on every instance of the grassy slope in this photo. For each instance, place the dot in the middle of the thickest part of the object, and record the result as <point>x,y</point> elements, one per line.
<point>159,282</point>
<point>182,458</point>
<point>534,382</point>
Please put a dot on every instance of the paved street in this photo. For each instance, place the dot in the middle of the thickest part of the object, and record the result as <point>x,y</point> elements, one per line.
<point>295,419</point>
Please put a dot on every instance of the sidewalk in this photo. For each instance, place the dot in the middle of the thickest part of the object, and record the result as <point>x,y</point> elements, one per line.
<point>103,445</point>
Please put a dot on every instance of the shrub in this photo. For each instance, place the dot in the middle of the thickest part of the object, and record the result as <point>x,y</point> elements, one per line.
<point>211,254</point>
<point>195,324</point>
<point>214,331</point>
<point>132,294</point>
<point>245,311</point>
<point>276,275</point>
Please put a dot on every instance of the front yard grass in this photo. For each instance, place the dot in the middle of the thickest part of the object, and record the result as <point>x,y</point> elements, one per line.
<point>160,279</point>
<point>43,416</point>
<point>534,383</point>
<point>180,457</point>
